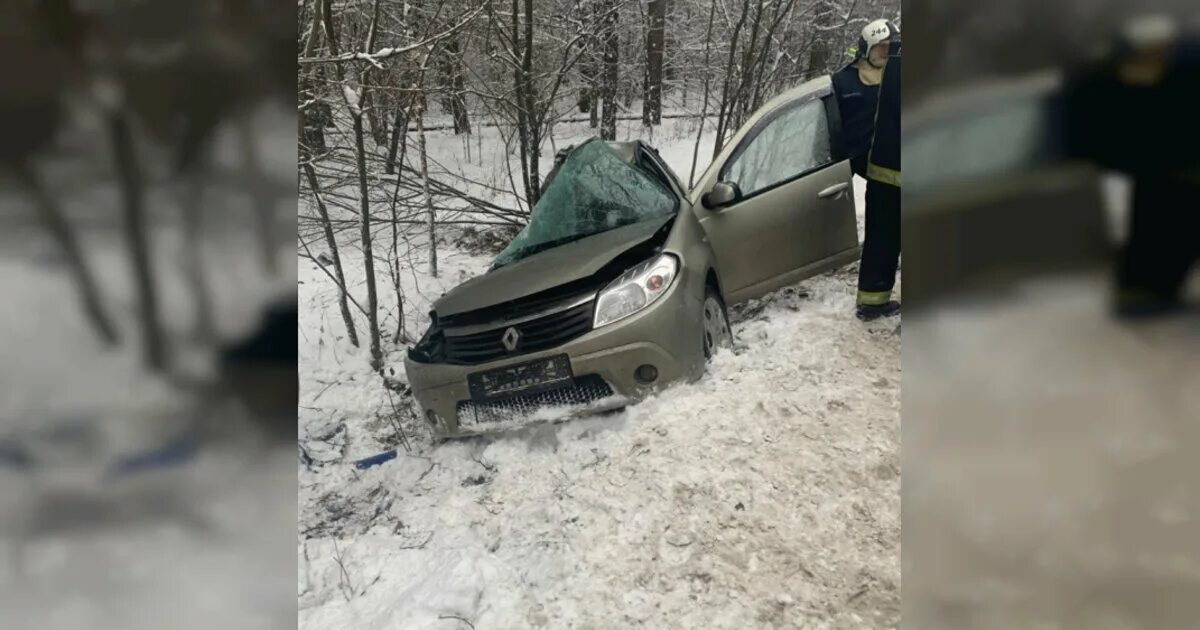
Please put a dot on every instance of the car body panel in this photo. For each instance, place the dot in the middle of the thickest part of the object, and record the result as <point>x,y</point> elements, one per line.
<point>790,239</point>
<point>793,231</point>
<point>546,270</point>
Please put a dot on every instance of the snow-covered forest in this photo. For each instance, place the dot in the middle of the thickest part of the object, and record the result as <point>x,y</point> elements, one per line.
<point>764,495</point>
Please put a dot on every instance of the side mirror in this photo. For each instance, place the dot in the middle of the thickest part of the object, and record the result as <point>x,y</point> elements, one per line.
<point>722,194</point>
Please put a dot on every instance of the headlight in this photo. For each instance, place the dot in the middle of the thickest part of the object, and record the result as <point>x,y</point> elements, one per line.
<point>636,289</point>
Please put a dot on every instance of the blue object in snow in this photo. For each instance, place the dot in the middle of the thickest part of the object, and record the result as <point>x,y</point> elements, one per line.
<point>173,454</point>
<point>375,460</point>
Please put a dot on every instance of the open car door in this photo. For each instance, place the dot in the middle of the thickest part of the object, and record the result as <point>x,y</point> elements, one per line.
<point>777,203</point>
<point>992,194</point>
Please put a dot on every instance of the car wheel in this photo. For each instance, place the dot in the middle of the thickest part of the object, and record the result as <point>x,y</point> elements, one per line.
<point>716,324</point>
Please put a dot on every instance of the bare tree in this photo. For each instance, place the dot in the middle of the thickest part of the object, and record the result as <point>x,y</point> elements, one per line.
<point>365,221</point>
<point>722,116</point>
<point>608,124</point>
<point>712,12</point>
<point>456,100</point>
<point>154,343</point>
<point>655,40</point>
<point>60,230</point>
<point>260,196</point>
<point>422,149</point>
<point>335,257</point>
<point>191,211</point>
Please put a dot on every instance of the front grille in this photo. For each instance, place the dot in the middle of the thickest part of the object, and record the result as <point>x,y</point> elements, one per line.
<point>583,390</point>
<point>539,334</point>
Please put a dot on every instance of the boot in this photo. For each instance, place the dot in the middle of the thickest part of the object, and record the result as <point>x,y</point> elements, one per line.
<point>869,312</point>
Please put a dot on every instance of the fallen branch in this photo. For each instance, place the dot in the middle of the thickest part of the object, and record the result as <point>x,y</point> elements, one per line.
<point>458,618</point>
<point>344,582</point>
<point>395,418</point>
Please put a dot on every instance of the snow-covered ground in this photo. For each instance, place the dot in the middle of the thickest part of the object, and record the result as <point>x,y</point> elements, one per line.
<point>767,494</point>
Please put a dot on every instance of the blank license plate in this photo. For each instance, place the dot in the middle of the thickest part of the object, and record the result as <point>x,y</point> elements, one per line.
<point>523,378</point>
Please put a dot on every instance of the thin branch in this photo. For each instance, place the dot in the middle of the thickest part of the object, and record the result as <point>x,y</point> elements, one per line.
<point>458,618</point>
<point>386,53</point>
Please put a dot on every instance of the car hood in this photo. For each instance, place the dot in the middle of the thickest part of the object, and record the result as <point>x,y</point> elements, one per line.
<point>546,270</point>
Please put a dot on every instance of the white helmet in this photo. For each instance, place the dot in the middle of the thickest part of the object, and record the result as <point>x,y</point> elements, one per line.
<point>874,33</point>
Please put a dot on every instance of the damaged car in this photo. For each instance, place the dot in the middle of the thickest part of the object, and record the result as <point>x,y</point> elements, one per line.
<point>619,283</point>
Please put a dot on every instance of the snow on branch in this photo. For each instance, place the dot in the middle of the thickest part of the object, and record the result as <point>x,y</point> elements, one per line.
<point>353,99</point>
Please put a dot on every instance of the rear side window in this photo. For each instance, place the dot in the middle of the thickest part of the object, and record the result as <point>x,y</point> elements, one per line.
<point>790,143</point>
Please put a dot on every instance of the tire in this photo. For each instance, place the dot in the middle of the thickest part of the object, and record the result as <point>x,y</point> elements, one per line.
<point>715,323</point>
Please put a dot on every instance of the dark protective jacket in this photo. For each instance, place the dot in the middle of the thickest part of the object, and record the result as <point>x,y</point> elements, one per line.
<point>884,160</point>
<point>856,105</point>
<point>1136,111</point>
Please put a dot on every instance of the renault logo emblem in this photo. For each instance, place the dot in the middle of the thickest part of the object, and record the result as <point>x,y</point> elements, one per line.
<point>510,339</point>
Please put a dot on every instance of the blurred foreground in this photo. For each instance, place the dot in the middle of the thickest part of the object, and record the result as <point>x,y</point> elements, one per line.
<point>146,190</point>
<point>1050,476</point>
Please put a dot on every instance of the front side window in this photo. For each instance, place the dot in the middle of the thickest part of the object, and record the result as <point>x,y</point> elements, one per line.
<point>793,142</point>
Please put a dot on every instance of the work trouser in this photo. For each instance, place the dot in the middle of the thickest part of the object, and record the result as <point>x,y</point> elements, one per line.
<point>1163,241</point>
<point>881,248</point>
<point>858,165</point>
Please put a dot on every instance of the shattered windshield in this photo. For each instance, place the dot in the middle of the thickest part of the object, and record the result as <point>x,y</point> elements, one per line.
<point>594,191</point>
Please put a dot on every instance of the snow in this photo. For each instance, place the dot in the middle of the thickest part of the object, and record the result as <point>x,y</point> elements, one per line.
<point>353,99</point>
<point>766,494</point>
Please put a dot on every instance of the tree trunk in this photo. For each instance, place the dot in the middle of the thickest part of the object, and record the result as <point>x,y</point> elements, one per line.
<point>60,230</point>
<point>737,107</point>
<point>519,90</point>
<point>595,67</point>
<point>260,196</point>
<point>368,255</point>
<point>722,119</point>
<point>421,147</point>
<point>154,348</point>
<point>373,113</point>
<point>399,139</point>
<point>652,99</point>
<point>712,11</point>
<point>533,120</point>
<point>331,243</point>
<point>458,103</point>
<point>594,110</point>
<point>191,206</point>
<point>818,52</point>
<point>395,262</point>
<point>608,124</point>
<point>370,109</point>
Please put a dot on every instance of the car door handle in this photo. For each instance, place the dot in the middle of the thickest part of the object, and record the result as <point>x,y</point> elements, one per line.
<point>833,190</point>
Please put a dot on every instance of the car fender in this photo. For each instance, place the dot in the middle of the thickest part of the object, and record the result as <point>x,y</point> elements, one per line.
<point>689,241</point>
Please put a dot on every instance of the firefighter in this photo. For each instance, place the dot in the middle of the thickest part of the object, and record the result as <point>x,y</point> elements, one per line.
<point>1147,81</point>
<point>881,247</point>
<point>857,90</point>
